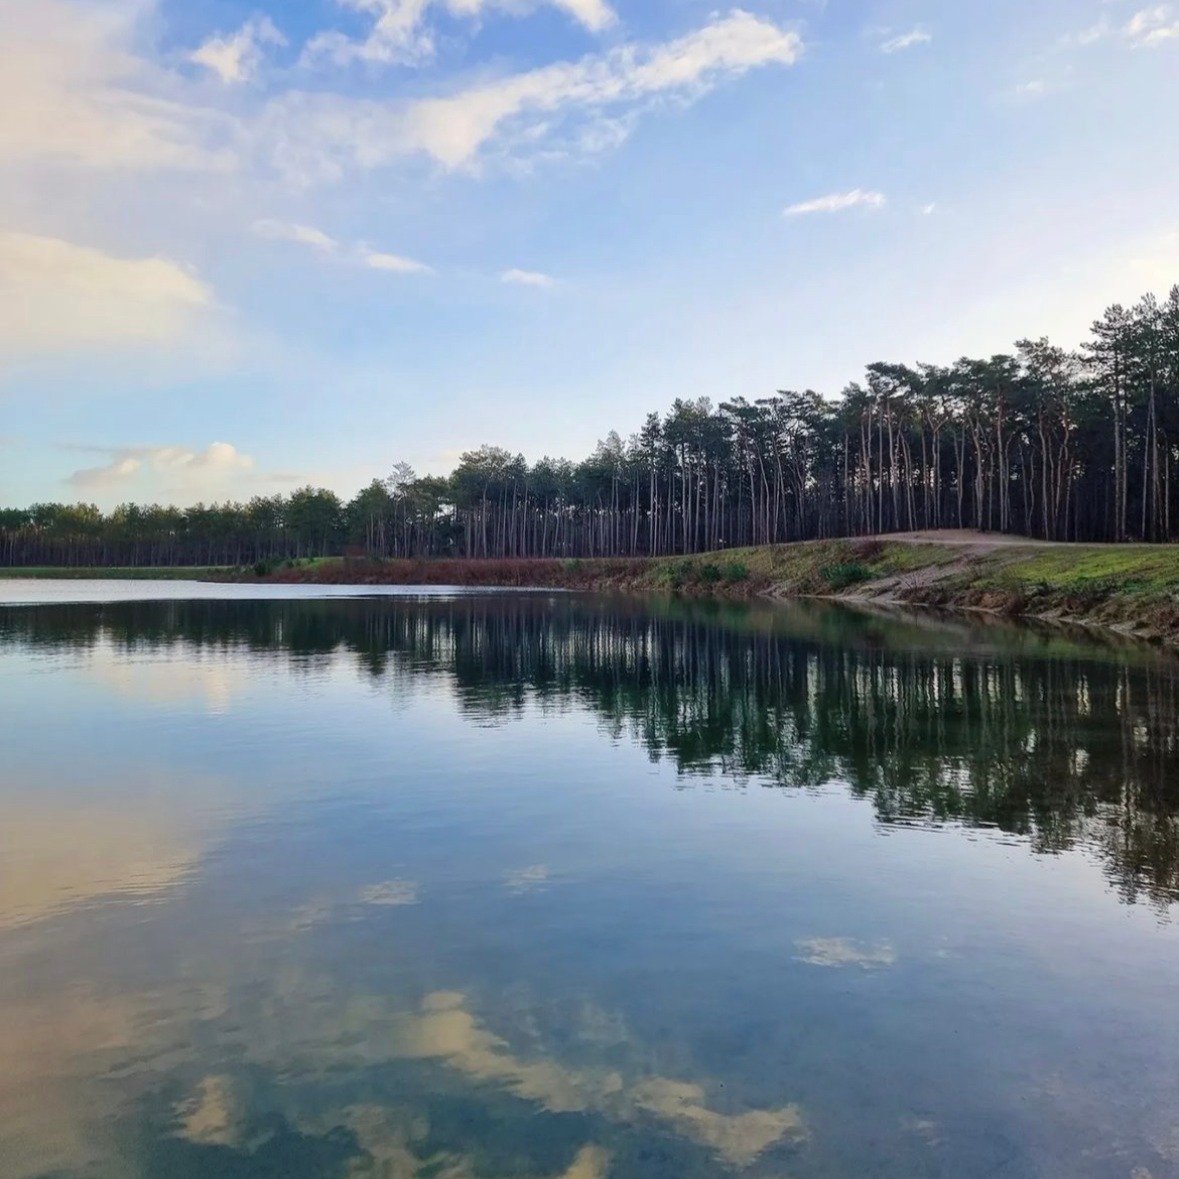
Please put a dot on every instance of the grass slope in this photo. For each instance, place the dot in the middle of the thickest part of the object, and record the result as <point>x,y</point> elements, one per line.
<point>1134,588</point>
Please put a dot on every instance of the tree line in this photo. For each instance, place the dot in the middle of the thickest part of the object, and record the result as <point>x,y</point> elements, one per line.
<point>1042,442</point>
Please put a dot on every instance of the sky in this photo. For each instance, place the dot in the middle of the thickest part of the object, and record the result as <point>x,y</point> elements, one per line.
<point>246,246</point>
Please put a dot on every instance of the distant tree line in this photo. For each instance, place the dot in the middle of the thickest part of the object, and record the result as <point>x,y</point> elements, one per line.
<point>1042,442</point>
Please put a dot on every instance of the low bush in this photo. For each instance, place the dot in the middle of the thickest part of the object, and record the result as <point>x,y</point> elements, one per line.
<point>672,574</point>
<point>841,577</point>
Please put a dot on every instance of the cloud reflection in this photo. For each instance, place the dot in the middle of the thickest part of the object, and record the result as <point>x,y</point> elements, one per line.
<point>526,879</point>
<point>843,951</point>
<point>54,858</point>
<point>447,1030</point>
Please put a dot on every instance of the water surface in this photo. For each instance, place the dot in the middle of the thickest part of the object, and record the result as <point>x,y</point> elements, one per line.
<point>566,887</point>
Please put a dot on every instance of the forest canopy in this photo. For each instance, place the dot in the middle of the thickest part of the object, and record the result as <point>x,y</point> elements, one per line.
<point>1042,442</point>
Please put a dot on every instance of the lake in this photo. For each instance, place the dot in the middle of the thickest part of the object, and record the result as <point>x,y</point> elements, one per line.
<point>446,885</point>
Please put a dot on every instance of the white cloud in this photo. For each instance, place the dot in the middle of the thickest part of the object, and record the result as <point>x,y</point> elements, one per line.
<point>930,209</point>
<point>73,91</point>
<point>375,260</point>
<point>76,89</point>
<point>115,472</point>
<point>304,235</point>
<point>837,202</point>
<point>399,35</point>
<point>1031,90</point>
<point>319,136</point>
<point>56,294</point>
<point>210,470</point>
<point>237,57</point>
<point>1146,19</point>
<point>1152,27</point>
<point>917,36</point>
<point>595,15</point>
<point>527,278</point>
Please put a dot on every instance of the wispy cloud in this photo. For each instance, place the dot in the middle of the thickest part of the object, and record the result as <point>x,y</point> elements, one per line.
<point>319,136</point>
<point>1030,90</point>
<point>1090,35</point>
<point>837,202</point>
<point>56,293</point>
<point>304,235</point>
<point>238,56</point>
<point>93,100</point>
<point>316,239</point>
<point>400,36</point>
<point>375,260</point>
<point>527,278</point>
<point>917,36</point>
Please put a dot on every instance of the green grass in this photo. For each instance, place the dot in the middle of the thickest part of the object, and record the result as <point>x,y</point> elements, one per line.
<point>1121,569</point>
<point>898,559</point>
<point>810,567</point>
<point>813,566</point>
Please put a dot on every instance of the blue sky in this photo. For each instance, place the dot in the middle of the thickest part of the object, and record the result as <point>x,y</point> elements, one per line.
<point>245,246</point>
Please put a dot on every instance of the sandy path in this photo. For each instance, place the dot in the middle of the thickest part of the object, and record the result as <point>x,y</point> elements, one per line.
<point>984,541</point>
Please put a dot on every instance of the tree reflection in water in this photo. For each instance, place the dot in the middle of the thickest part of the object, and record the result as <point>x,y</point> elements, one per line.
<point>1060,742</point>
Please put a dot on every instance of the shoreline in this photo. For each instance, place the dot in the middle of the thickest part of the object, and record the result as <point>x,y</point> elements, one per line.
<point>1130,589</point>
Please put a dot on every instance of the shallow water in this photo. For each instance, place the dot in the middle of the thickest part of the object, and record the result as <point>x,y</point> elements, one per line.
<point>560,886</point>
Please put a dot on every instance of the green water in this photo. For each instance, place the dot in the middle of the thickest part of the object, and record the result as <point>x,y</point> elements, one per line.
<point>568,887</point>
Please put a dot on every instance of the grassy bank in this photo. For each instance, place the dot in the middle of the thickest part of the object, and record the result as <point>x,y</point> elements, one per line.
<point>1134,588</point>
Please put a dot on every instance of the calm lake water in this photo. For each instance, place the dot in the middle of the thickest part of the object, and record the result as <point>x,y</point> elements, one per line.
<point>562,887</point>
